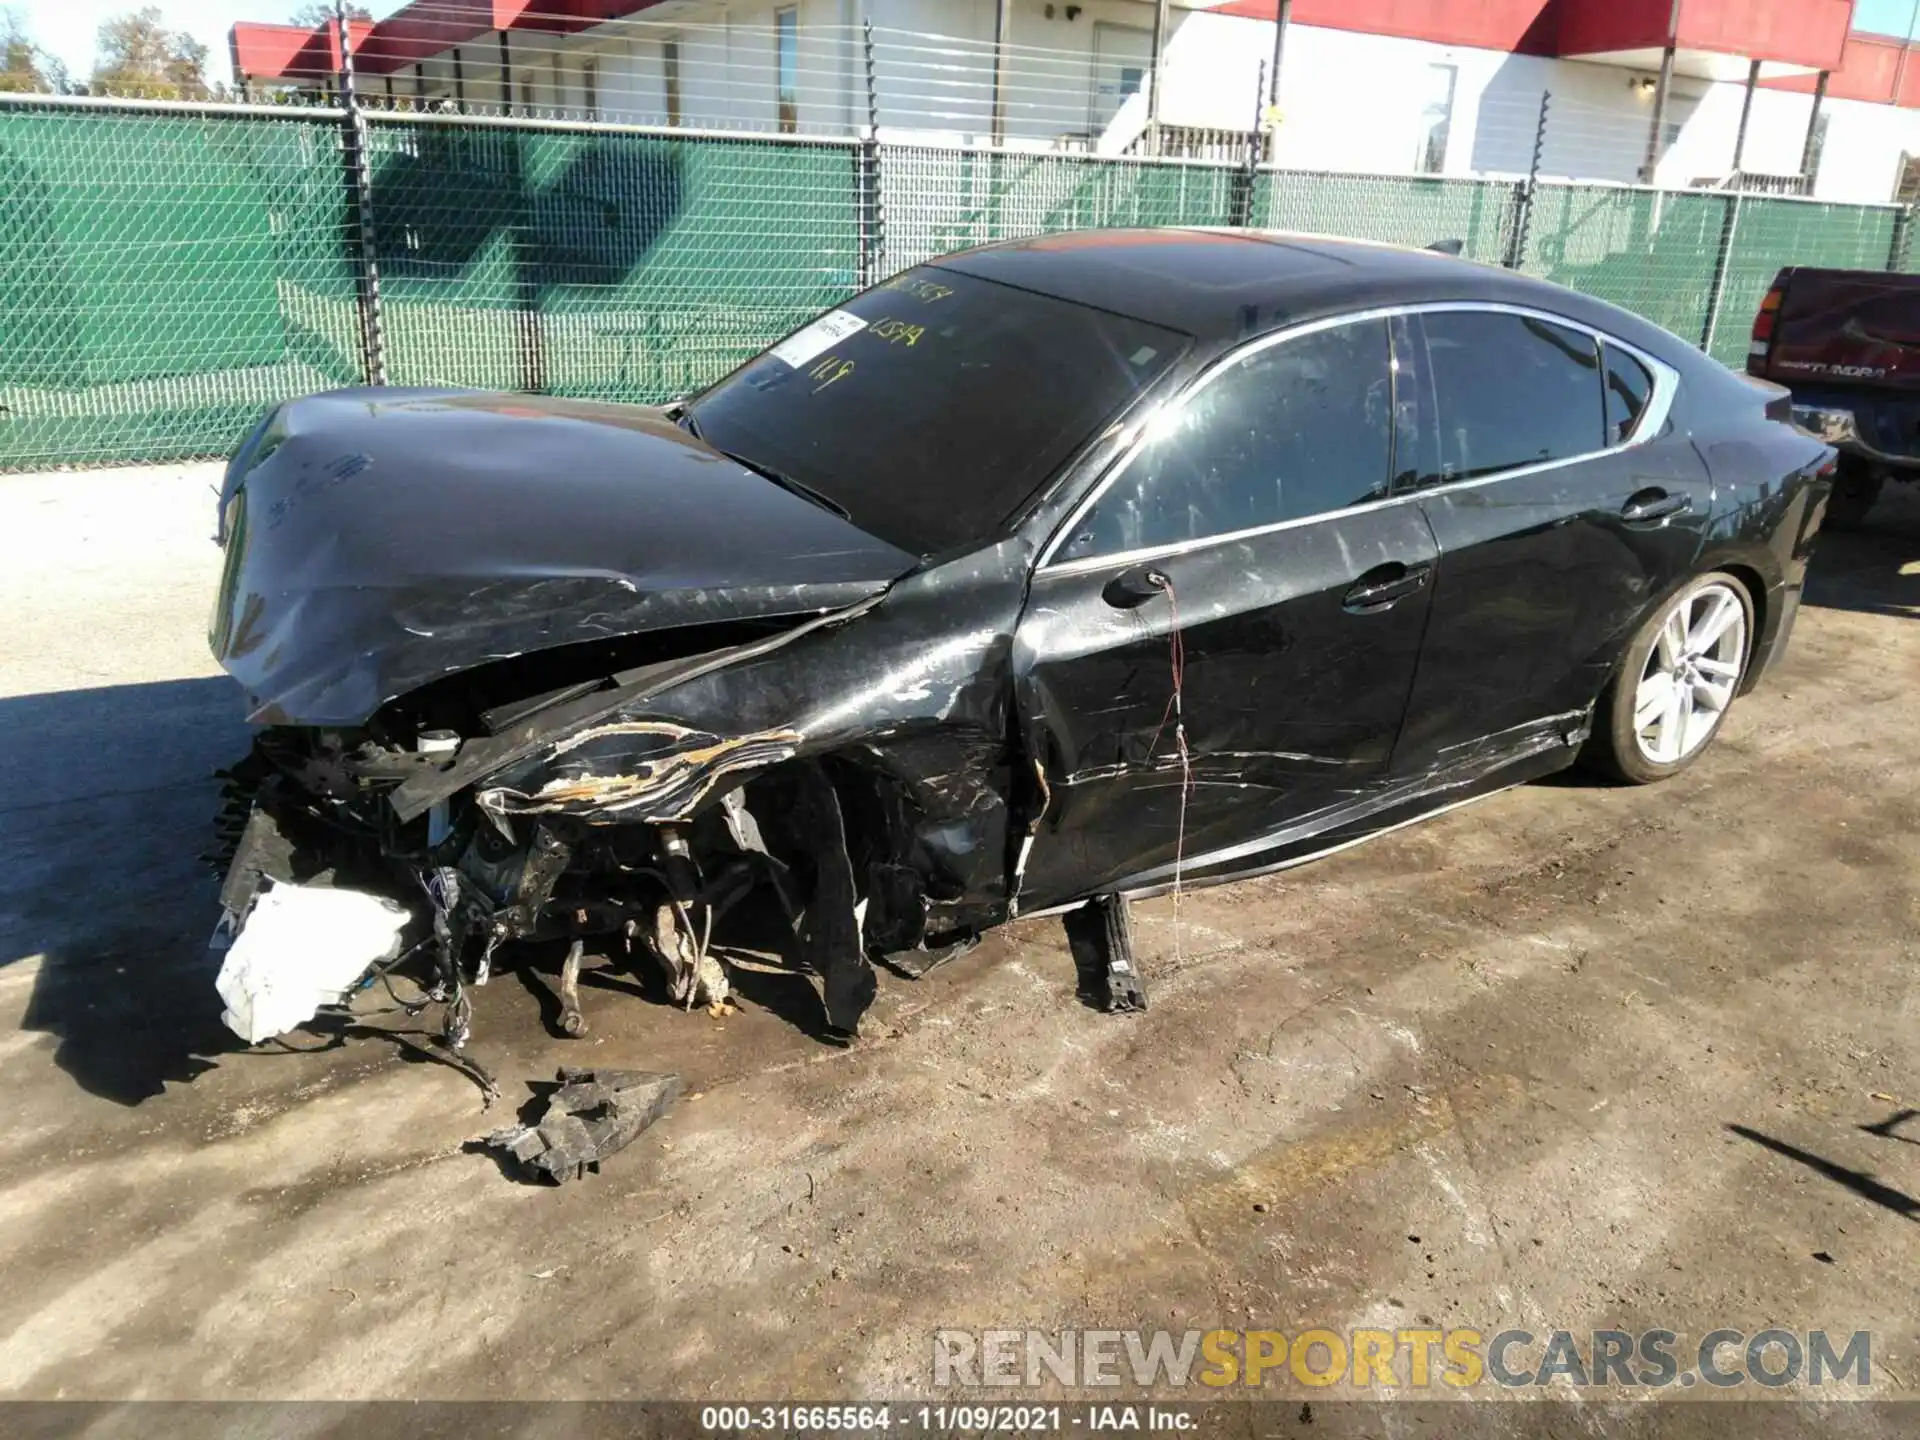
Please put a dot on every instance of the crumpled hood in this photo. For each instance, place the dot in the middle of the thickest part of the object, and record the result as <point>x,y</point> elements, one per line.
<point>379,539</point>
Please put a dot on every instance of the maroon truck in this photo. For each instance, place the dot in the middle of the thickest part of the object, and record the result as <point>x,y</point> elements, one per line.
<point>1847,344</point>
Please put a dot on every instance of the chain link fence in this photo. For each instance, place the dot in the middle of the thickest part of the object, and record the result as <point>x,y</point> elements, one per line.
<point>169,271</point>
<point>154,269</point>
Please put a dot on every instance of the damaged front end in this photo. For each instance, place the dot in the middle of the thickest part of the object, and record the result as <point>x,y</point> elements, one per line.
<point>546,748</point>
<point>632,837</point>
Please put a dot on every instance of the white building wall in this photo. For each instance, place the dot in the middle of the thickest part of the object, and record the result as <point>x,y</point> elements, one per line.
<point>1348,101</point>
<point>1865,145</point>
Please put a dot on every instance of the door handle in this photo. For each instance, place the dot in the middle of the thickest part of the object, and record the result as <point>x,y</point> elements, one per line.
<point>1133,588</point>
<point>1383,585</point>
<point>1653,504</point>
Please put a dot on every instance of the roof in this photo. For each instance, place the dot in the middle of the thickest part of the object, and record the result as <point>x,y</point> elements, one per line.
<point>1221,285</point>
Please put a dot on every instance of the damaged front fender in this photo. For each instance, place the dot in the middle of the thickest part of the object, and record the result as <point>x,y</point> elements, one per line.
<point>660,773</point>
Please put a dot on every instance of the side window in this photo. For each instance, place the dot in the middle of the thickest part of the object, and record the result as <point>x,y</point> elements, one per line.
<point>1415,437</point>
<point>1629,387</point>
<point>1511,391</point>
<point>1296,429</point>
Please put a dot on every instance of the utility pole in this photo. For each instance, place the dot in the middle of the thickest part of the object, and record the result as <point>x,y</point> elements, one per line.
<point>1159,70</point>
<point>1002,25</point>
<point>360,197</point>
<point>1746,111</point>
<point>1280,22</point>
<point>1656,132</point>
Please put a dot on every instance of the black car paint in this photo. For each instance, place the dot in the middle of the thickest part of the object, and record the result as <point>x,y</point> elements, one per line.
<point>1017,719</point>
<point>386,538</point>
<point>1290,701</point>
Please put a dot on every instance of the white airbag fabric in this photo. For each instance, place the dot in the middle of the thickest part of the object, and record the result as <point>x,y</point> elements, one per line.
<point>301,947</point>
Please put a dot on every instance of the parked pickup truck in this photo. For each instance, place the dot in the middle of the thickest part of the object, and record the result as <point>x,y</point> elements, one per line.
<point>1847,344</point>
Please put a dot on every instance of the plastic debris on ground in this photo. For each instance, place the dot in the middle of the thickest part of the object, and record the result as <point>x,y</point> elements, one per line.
<point>594,1114</point>
<point>302,947</point>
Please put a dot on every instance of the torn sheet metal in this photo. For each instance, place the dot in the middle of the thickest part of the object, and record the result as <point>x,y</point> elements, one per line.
<point>474,527</point>
<point>299,948</point>
<point>668,770</point>
<point>594,1114</point>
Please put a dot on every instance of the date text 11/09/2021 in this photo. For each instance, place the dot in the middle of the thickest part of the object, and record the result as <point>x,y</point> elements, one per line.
<point>946,1419</point>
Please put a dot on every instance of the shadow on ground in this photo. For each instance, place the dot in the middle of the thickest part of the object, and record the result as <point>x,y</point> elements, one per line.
<point>1874,570</point>
<point>108,802</point>
<point>1860,1182</point>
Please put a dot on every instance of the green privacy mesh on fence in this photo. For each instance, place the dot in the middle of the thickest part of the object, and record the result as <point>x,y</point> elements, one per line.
<point>1399,209</point>
<point>1768,234</point>
<point>604,265</point>
<point>1651,252</point>
<point>167,274</point>
<point>936,200</point>
<point>144,265</point>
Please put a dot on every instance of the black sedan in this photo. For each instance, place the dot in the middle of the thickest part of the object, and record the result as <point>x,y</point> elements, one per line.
<point>1038,577</point>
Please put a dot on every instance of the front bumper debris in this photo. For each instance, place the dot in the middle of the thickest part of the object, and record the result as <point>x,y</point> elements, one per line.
<point>594,1114</point>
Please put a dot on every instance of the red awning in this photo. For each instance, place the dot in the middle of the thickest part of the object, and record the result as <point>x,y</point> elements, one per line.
<point>288,52</point>
<point>416,32</point>
<point>1786,34</point>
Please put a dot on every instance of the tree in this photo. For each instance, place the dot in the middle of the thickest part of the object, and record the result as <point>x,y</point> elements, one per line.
<point>24,66</point>
<point>139,56</point>
<point>320,12</point>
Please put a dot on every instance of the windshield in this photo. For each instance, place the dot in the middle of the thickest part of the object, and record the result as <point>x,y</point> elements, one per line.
<point>928,409</point>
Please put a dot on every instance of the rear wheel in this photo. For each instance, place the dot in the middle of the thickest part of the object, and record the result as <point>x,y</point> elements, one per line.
<point>1675,683</point>
<point>1855,489</point>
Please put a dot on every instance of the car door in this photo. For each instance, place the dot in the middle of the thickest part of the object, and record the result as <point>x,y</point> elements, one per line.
<point>1563,506</point>
<point>1243,580</point>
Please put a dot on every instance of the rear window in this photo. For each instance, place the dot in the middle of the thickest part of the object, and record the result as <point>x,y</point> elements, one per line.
<point>930,408</point>
<point>1629,387</point>
<point>1511,390</point>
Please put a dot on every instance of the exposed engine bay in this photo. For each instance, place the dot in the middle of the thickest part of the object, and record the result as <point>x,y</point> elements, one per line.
<point>557,817</point>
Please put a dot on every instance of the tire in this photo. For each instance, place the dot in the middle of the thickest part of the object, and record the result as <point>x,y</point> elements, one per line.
<point>1855,489</point>
<point>1692,634</point>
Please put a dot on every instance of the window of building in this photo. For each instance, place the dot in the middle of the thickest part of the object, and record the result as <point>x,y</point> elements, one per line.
<point>1436,119</point>
<point>1511,391</point>
<point>1121,55</point>
<point>1906,184</point>
<point>590,87</point>
<point>1629,387</point>
<point>1297,429</point>
<point>670,76</point>
<point>786,39</point>
<point>528,97</point>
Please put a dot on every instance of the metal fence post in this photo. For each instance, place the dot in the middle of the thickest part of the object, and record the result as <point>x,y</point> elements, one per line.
<point>1523,197</point>
<point>1240,205</point>
<point>867,172</point>
<point>1717,287</point>
<point>1902,238</point>
<point>359,175</point>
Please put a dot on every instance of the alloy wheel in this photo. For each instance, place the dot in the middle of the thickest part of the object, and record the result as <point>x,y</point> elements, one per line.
<point>1691,673</point>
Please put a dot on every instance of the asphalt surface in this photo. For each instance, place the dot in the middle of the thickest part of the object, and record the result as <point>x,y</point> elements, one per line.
<point>1575,1057</point>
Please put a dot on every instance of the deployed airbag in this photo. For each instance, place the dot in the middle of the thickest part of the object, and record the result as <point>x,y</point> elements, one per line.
<point>301,947</point>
